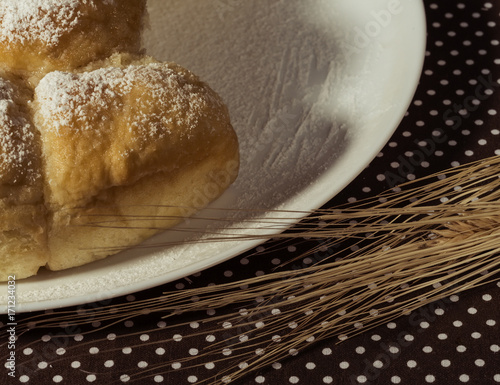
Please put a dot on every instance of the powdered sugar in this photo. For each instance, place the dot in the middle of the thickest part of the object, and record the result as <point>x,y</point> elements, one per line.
<point>85,98</point>
<point>16,140</point>
<point>277,71</point>
<point>39,20</point>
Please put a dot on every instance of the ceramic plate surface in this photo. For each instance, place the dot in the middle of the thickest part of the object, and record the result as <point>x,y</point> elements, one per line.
<point>315,88</point>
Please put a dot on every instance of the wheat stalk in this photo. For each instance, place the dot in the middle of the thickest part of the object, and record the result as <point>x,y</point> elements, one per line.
<point>415,245</point>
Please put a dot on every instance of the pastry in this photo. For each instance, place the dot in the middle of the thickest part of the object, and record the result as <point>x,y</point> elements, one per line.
<point>103,148</point>
<point>128,132</point>
<point>38,36</point>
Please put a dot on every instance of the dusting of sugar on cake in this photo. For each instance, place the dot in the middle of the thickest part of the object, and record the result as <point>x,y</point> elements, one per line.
<point>24,21</point>
<point>16,140</point>
<point>85,98</point>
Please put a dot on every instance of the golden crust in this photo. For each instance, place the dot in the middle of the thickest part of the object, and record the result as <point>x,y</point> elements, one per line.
<point>38,36</point>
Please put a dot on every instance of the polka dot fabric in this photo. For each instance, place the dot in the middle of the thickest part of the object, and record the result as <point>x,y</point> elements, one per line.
<point>453,119</point>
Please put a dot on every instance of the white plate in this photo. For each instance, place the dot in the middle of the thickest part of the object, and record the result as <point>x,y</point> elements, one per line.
<point>315,88</point>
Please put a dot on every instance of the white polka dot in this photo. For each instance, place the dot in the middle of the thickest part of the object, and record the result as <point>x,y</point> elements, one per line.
<point>127,350</point>
<point>294,380</point>
<point>464,378</point>
<point>344,365</point>
<point>327,351</point>
<point>327,380</point>
<point>109,363</point>
<point>57,379</point>
<point>293,352</point>
<point>479,362</point>
<point>210,338</point>
<point>495,348</point>
<point>378,364</point>
<point>445,363</point>
<point>24,378</point>
<point>211,312</point>
<point>46,338</point>
<point>275,311</point>
<point>396,379</point>
<point>360,350</point>
<point>193,351</point>
<point>394,349</point>
<point>160,351</point>
<point>411,364</point>
<point>430,378</point>
<point>192,379</point>
<point>260,379</point>
<point>75,364</point>
<point>91,378</point>
<point>158,379</point>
